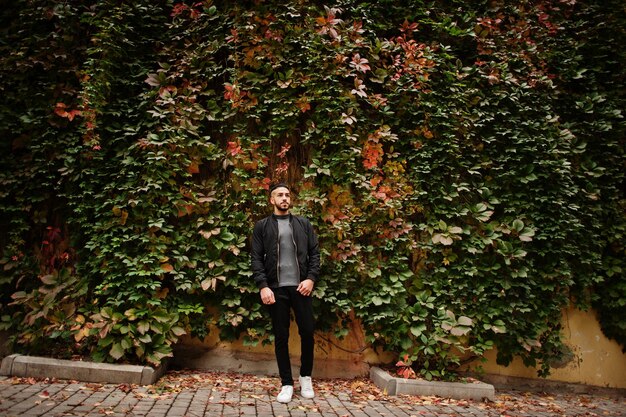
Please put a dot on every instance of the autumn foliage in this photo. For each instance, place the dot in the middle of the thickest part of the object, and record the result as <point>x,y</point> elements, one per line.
<point>462,163</point>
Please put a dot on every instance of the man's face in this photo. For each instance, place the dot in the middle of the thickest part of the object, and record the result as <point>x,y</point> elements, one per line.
<point>281,199</point>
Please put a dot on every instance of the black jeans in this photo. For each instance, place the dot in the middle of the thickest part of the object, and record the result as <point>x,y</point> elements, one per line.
<point>288,298</point>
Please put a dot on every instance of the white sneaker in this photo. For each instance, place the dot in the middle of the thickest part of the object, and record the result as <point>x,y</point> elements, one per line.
<point>285,394</point>
<point>306,387</point>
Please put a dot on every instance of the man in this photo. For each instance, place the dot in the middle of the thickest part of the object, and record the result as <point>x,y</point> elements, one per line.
<point>285,266</point>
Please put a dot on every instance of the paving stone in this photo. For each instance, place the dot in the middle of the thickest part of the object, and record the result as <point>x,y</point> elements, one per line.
<point>180,410</point>
<point>158,409</point>
<point>157,413</point>
<point>136,412</point>
<point>245,397</point>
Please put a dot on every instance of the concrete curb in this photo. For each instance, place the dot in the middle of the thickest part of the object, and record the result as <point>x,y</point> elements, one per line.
<point>40,367</point>
<point>456,390</point>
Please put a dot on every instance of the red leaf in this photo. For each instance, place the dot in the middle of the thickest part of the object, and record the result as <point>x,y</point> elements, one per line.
<point>233,148</point>
<point>60,110</point>
<point>372,154</point>
<point>72,114</point>
<point>178,9</point>
<point>281,168</point>
<point>283,151</point>
<point>408,27</point>
<point>230,90</point>
<point>360,64</point>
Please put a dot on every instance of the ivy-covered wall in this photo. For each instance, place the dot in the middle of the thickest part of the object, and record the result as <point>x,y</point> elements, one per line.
<point>462,162</point>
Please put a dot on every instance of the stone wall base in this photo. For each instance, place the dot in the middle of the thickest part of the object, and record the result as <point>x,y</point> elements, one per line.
<point>40,367</point>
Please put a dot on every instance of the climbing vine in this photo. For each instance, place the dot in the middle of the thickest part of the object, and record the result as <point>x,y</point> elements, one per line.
<point>462,164</point>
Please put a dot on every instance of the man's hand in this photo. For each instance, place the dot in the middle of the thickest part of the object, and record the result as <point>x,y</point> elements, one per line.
<point>306,287</point>
<point>267,296</point>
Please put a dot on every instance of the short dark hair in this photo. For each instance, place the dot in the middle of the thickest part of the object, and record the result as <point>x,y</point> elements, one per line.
<point>278,185</point>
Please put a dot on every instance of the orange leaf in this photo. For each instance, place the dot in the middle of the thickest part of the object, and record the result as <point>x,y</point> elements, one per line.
<point>303,104</point>
<point>193,168</point>
<point>376,180</point>
<point>185,210</point>
<point>72,114</point>
<point>372,154</point>
<point>162,293</point>
<point>59,109</point>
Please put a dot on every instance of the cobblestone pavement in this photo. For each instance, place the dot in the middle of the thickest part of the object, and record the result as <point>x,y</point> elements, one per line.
<point>194,394</point>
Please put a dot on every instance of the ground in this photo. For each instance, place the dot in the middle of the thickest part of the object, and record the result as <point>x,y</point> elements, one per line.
<point>196,393</point>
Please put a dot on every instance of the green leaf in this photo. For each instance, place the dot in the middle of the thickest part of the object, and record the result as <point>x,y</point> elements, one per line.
<point>131,314</point>
<point>126,344</point>
<point>465,321</point>
<point>178,331</point>
<point>418,330</point>
<point>143,326</point>
<point>117,351</point>
<point>48,279</point>
<point>456,230</point>
<point>460,330</point>
<point>527,235</point>
<point>145,338</point>
<point>161,316</point>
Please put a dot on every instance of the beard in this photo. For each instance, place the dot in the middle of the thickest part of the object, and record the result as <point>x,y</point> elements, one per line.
<point>282,207</point>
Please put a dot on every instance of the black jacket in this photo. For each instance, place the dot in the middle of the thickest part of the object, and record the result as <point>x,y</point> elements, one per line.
<point>265,250</point>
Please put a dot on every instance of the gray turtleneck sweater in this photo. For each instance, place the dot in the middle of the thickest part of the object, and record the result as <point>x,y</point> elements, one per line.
<point>288,274</point>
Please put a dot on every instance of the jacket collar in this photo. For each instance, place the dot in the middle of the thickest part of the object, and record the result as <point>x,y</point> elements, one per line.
<point>275,217</point>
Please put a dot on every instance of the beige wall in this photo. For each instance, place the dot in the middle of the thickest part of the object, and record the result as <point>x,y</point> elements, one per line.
<point>333,358</point>
<point>596,360</point>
